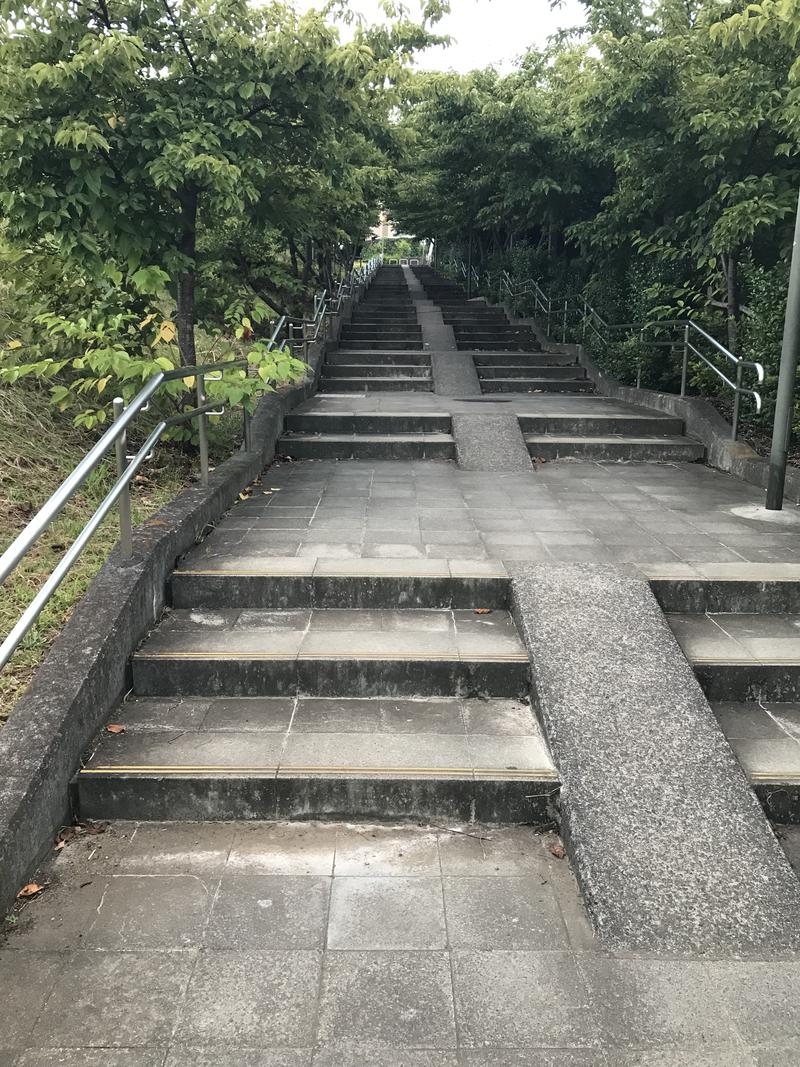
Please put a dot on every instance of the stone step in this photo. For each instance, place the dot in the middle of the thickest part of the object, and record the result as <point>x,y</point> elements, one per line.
<point>618,449</point>
<point>504,344</point>
<point>237,582</point>
<point>368,446</point>
<point>541,371</point>
<point>382,345</point>
<point>338,357</point>
<point>765,738</point>
<point>601,425</point>
<point>331,384</point>
<point>379,370</point>
<point>523,359</point>
<point>368,422</point>
<point>388,318</point>
<point>536,385</point>
<point>389,330</point>
<point>750,588</point>
<point>321,758</point>
<point>501,328</point>
<point>742,656</point>
<point>334,652</point>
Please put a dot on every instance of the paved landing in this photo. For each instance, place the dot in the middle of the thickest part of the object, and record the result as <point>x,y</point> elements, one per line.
<point>269,945</point>
<point>627,514</point>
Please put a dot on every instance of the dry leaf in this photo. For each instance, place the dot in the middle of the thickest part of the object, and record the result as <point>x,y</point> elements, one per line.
<point>244,496</point>
<point>32,889</point>
<point>95,827</point>
<point>483,611</point>
<point>557,850</point>
<point>115,728</point>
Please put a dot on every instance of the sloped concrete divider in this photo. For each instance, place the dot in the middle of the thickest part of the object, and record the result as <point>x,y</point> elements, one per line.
<point>670,845</point>
<point>87,670</point>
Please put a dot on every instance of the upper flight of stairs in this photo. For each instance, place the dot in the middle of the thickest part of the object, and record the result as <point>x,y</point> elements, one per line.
<point>644,438</point>
<point>295,688</point>
<point>508,357</point>
<point>381,347</point>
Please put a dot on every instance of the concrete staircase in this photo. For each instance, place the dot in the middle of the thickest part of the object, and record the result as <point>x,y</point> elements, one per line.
<point>333,689</point>
<point>368,435</point>
<point>381,348</point>
<point>508,357</point>
<point>742,638</point>
<point>639,437</point>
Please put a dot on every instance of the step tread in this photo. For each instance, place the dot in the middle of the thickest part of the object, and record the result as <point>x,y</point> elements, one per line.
<point>733,638</point>
<point>342,634</point>
<point>765,737</point>
<point>665,440</point>
<point>424,438</point>
<point>441,737</point>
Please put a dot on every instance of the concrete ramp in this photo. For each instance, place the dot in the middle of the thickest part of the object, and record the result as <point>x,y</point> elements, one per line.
<point>490,443</point>
<point>671,847</point>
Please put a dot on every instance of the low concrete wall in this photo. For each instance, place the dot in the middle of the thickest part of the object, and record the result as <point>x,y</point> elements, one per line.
<point>87,671</point>
<point>701,419</point>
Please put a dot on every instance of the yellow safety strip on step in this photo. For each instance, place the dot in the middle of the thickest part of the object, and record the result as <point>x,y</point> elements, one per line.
<point>537,773</point>
<point>777,777</point>
<point>445,657</point>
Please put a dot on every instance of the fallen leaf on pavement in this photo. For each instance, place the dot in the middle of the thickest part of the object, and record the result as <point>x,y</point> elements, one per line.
<point>557,850</point>
<point>483,611</point>
<point>32,889</point>
<point>115,728</point>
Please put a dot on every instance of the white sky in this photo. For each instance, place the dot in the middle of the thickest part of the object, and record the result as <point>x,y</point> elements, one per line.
<point>484,32</point>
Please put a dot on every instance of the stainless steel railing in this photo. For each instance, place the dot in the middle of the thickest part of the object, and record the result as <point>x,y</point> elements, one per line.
<point>573,314</point>
<point>292,333</point>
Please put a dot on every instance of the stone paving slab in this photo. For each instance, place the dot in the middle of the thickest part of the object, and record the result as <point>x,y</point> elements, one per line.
<point>246,946</point>
<point>553,404</point>
<point>672,519</point>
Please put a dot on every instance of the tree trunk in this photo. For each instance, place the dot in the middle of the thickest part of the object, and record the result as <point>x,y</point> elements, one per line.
<point>187,246</point>
<point>293,256</point>
<point>307,262</point>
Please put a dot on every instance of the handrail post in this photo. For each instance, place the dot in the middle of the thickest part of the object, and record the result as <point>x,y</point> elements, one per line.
<point>583,323</point>
<point>736,398</point>
<point>549,310</point>
<point>564,324</point>
<point>202,430</point>
<point>685,366</point>
<point>121,448</point>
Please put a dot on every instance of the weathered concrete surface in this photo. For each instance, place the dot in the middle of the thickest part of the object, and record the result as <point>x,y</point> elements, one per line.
<point>670,844</point>
<point>490,443</point>
<point>87,671</point>
<point>454,374</point>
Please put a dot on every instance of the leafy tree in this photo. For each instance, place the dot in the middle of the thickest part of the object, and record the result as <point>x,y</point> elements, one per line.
<point>191,163</point>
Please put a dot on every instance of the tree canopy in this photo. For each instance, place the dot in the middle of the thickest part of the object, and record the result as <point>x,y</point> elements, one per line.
<point>667,134</point>
<point>197,160</point>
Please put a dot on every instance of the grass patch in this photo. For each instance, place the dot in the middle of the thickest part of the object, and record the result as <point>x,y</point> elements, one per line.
<point>38,449</point>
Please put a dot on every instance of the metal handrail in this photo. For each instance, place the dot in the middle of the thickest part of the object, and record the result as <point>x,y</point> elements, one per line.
<point>127,467</point>
<point>590,320</point>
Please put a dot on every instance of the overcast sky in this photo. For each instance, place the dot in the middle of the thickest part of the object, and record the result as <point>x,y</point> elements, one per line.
<point>485,32</point>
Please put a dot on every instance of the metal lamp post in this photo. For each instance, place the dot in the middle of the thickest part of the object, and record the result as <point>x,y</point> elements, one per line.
<point>784,403</point>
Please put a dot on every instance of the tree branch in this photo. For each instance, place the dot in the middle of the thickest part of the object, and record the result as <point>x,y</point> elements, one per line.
<point>180,36</point>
